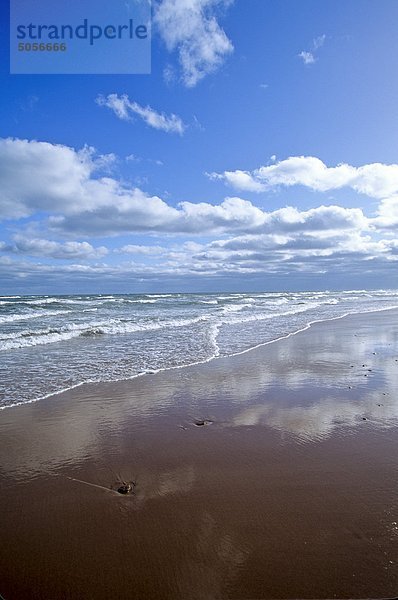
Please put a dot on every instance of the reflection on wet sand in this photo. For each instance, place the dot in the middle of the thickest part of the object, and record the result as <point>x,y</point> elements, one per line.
<point>175,481</point>
<point>317,421</point>
<point>289,493</point>
<point>263,387</point>
<point>218,556</point>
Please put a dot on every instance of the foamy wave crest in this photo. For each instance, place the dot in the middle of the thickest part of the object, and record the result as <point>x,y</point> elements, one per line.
<point>43,301</point>
<point>160,295</point>
<point>26,338</point>
<point>234,320</point>
<point>12,318</point>
<point>277,302</point>
<point>146,301</point>
<point>231,308</point>
<point>231,297</point>
<point>213,332</point>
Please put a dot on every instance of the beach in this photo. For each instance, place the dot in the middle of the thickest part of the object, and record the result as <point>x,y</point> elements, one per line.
<point>268,474</point>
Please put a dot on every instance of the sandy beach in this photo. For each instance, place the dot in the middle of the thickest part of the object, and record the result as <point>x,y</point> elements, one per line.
<point>272,474</point>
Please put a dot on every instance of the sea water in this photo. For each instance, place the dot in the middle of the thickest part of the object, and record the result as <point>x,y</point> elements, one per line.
<point>53,343</point>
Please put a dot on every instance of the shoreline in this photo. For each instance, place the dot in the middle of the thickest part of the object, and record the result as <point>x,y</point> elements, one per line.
<point>203,362</point>
<point>264,475</point>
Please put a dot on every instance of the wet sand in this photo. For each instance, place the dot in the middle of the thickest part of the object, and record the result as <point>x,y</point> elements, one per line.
<point>289,489</point>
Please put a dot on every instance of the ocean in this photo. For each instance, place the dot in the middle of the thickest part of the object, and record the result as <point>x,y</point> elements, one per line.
<point>53,343</point>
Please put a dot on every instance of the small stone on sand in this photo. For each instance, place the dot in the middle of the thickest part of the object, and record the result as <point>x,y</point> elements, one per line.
<point>201,423</point>
<point>126,488</point>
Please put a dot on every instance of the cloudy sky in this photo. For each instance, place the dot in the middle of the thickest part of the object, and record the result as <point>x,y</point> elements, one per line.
<point>260,154</point>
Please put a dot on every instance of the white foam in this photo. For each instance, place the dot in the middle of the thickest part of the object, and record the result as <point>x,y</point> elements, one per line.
<point>24,317</point>
<point>240,309</point>
<point>231,308</point>
<point>27,338</point>
<point>200,362</point>
<point>43,301</point>
<point>231,296</point>
<point>308,325</point>
<point>161,295</point>
<point>234,320</point>
<point>146,301</point>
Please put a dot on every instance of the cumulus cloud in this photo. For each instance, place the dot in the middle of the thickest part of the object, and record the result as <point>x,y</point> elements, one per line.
<point>250,254</point>
<point>256,255</point>
<point>141,213</point>
<point>38,176</point>
<point>190,27</point>
<point>41,177</point>
<point>376,180</point>
<point>124,108</point>
<point>66,192</point>
<point>141,250</point>
<point>387,214</point>
<point>298,245</point>
<point>66,184</point>
<point>51,249</point>
<point>240,180</point>
<point>135,211</point>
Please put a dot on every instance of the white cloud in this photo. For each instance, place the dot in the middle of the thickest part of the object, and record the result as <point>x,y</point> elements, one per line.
<point>123,108</point>
<point>387,214</point>
<point>240,180</point>
<point>376,180</point>
<point>308,57</point>
<point>141,250</point>
<point>270,254</point>
<point>66,185</point>
<point>141,213</point>
<point>190,27</point>
<point>134,211</point>
<point>318,42</point>
<point>169,74</point>
<point>298,245</point>
<point>51,249</point>
<point>133,158</point>
<point>37,177</point>
<point>41,177</point>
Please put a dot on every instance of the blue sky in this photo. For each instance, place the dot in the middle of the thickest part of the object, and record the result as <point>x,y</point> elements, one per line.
<point>259,154</point>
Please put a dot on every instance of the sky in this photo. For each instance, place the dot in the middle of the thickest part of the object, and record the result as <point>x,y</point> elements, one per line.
<point>260,154</point>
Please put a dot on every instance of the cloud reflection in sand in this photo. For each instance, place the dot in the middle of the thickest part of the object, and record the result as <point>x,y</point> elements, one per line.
<point>318,421</point>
